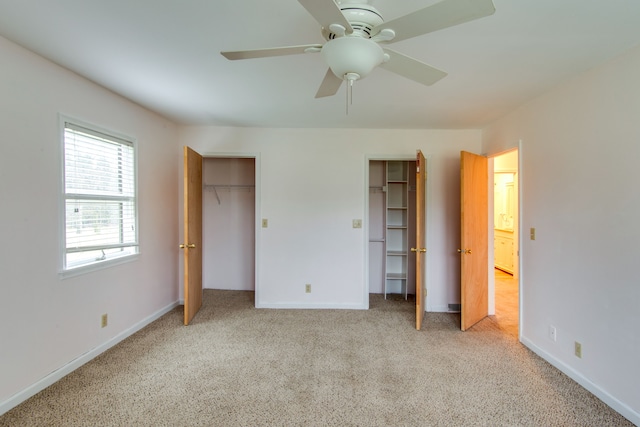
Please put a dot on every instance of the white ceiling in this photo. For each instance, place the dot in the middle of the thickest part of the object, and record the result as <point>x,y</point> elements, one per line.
<point>165,55</point>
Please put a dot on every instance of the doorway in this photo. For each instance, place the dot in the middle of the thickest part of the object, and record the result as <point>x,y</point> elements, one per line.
<point>229,206</point>
<point>392,228</point>
<point>506,197</point>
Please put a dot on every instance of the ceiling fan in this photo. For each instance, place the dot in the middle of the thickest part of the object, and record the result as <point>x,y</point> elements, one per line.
<point>354,30</point>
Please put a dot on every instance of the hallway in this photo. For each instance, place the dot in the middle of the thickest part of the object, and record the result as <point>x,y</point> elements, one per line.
<point>506,297</point>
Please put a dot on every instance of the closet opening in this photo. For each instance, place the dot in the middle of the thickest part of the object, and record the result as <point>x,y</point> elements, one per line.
<point>392,228</point>
<point>229,241</point>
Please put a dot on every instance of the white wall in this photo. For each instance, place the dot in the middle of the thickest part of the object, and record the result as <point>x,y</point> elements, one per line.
<point>580,152</point>
<point>311,185</point>
<point>48,323</point>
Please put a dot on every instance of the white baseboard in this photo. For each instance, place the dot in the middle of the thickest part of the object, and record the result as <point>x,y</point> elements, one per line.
<point>56,375</point>
<point>306,306</point>
<point>601,394</point>
<point>438,309</point>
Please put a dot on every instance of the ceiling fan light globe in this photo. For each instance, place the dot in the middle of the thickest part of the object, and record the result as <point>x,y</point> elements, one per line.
<point>357,55</point>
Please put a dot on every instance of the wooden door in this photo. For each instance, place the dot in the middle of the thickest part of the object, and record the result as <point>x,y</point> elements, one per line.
<point>473,250</point>
<point>419,250</point>
<point>192,234</point>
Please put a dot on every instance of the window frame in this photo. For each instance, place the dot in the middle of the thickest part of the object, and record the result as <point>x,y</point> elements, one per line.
<point>70,271</point>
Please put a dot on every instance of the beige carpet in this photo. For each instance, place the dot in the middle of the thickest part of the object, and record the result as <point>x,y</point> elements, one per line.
<point>239,366</point>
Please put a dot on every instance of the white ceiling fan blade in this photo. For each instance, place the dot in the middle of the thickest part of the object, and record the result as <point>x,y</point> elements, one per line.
<point>329,86</point>
<point>441,15</point>
<point>326,12</point>
<point>412,68</point>
<point>275,51</point>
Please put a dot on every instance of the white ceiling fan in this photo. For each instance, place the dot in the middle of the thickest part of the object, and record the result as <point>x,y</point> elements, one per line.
<point>354,31</point>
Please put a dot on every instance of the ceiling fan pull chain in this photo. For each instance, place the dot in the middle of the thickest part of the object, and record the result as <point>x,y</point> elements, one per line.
<point>350,92</point>
<point>347,99</point>
<point>350,78</point>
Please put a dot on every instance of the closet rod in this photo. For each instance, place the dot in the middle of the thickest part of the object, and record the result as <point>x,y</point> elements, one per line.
<point>207,186</point>
<point>215,187</point>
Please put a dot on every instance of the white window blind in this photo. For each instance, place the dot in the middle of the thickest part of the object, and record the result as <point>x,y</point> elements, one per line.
<point>100,197</point>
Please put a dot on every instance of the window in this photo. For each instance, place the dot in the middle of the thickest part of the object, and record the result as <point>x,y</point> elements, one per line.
<point>100,209</point>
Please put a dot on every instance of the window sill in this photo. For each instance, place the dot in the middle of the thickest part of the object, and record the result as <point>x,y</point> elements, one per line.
<point>101,265</point>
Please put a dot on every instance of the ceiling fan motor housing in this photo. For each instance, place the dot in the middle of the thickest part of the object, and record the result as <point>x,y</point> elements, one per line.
<point>362,17</point>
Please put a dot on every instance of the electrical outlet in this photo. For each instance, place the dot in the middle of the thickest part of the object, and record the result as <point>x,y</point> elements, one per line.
<point>578,349</point>
<point>307,288</point>
<point>553,333</point>
<point>104,321</point>
<point>357,223</point>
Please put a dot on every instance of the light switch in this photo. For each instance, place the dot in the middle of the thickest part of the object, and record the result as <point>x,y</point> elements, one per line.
<point>265,222</point>
<point>357,223</point>
<point>533,233</point>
